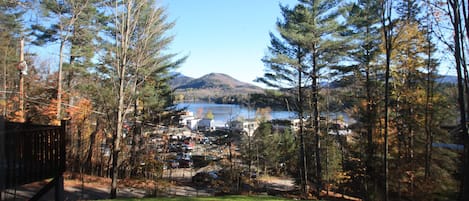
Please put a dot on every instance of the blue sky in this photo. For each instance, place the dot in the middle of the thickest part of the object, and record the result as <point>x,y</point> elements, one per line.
<point>223,36</point>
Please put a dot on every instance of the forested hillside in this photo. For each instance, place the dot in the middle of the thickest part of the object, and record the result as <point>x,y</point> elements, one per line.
<point>215,87</point>
<point>384,60</point>
<point>111,73</point>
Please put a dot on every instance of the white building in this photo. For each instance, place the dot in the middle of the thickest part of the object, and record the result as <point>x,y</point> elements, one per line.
<point>244,126</point>
<point>206,125</point>
<point>292,124</point>
<point>339,127</point>
<point>188,119</point>
<point>192,123</point>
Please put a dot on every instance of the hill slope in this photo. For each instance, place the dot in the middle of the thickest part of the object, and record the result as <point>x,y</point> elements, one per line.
<point>218,85</point>
<point>179,80</point>
<point>448,79</point>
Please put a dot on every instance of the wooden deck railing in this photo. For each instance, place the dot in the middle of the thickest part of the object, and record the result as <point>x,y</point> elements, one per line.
<point>30,153</point>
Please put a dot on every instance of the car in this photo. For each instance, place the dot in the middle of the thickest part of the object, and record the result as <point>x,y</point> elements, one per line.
<point>173,164</point>
<point>185,163</point>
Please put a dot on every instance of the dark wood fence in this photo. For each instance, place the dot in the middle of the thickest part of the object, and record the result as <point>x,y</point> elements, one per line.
<point>30,153</point>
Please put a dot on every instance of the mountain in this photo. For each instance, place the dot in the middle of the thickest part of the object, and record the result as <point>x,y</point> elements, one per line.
<point>448,79</point>
<point>215,84</point>
<point>216,80</point>
<point>179,80</point>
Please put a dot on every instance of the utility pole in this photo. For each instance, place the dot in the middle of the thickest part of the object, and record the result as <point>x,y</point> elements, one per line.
<point>22,67</point>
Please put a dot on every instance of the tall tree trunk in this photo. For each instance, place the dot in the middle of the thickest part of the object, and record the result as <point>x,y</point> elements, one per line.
<point>317,142</point>
<point>464,187</point>
<point>118,134</point>
<point>303,161</point>
<point>5,106</point>
<point>387,31</point>
<point>122,46</point>
<point>135,131</point>
<point>21,93</point>
<point>69,78</point>
<point>134,146</point>
<point>89,157</point>
<point>428,125</point>
<point>59,81</point>
<point>428,99</point>
<point>369,178</point>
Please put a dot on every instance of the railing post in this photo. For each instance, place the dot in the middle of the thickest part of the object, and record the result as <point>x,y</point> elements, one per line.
<point>59,185</point>
<point>63,142</point>
<point>59,188</point>
<point>3,161</point>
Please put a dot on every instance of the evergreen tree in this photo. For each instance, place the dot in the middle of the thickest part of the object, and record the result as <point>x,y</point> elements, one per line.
<point>308,45</point>
<point>133,55</point>
<point>364,39</point>
<point>11,32</point>
<point>71,24</point>
<point>324,45</point>
<point>286,65</point>
<point>63,17</point>
<point>407,58</point>
<point>273,149</point>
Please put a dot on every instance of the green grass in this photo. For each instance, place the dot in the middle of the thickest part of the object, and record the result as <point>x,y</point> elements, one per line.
<point>220,198</point>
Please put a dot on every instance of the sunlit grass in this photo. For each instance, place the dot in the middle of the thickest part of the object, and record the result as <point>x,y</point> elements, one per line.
<point>218,198</point>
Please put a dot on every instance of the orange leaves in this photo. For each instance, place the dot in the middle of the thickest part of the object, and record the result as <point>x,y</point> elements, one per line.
<point>81,110</point>
<point>50,110</point>
<point>263,114</point>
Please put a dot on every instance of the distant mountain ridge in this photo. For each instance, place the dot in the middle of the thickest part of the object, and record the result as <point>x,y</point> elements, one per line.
<point>450,79</point>
<point>216,80</point>
<point>213,84</point>
<point>219,84</point>
<point>179,80</point>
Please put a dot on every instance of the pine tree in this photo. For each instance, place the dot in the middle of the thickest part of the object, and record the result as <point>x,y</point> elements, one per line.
<point>407,60</point>
<point>321,38</point>
<point>307,46</point>
<point>11,32</point>
<point>134,55</point>
<point>364,39</point>
<point>63,17</point>
<point>83,44</point>
<point>286,67</point>
<point>70,23</point>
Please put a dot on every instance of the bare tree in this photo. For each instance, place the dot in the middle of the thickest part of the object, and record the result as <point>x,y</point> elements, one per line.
<point>134,55</point>
<point>454,8</point>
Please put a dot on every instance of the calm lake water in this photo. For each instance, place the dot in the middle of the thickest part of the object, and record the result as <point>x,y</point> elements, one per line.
<point>226,112</point>
<point>223,113</point>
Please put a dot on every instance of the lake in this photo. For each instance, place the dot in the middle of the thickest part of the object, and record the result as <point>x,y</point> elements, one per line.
<point>225,112</point>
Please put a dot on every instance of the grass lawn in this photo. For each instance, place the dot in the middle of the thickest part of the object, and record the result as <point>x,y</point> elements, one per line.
<point>220,198</point>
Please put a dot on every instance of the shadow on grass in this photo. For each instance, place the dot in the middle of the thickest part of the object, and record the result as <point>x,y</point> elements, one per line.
<point>217,198</point>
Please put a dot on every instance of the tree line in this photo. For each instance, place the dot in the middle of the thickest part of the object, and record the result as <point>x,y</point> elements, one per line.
<point>387,55</point>
<point>113,65</point>
<point>107,73</point>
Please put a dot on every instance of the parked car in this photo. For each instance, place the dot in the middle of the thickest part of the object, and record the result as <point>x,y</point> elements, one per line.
<point>173,164</point>
<point>185,163</point>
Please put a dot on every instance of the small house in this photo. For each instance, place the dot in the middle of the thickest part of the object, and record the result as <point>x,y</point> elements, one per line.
<point>244,126</point>
<point>206,125</point>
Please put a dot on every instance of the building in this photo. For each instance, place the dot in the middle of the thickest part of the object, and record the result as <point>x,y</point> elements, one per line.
<point>339,127</point>
<point>206,125</point>
<point>188,119</point>
<point>282,124</point>
<point>244,126</point>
